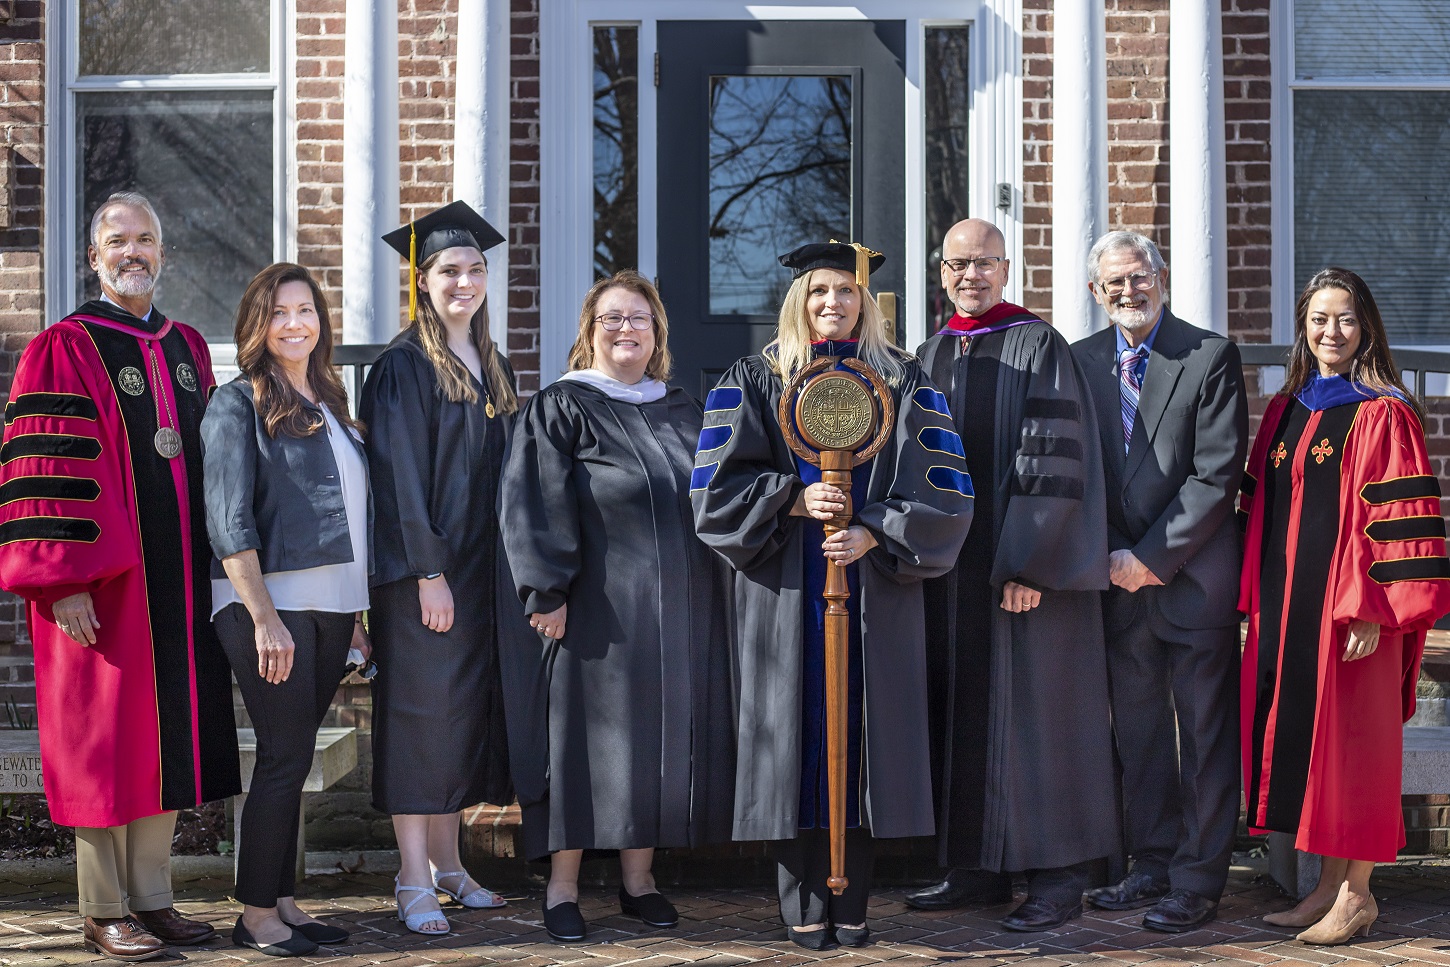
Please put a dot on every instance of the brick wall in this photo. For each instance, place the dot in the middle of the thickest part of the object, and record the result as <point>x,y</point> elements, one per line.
<point>22,142</point>
<point>1137,87</point>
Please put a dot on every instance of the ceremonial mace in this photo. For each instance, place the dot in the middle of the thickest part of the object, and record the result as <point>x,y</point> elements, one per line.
<point>832,420</point>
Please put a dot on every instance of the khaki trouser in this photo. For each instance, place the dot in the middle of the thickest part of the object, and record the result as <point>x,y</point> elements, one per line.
<point>123,869</point>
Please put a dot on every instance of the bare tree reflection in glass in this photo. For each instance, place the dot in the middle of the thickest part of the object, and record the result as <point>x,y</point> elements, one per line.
<point>780,175</point>
<point>616,149</point>
<point>947,99</point>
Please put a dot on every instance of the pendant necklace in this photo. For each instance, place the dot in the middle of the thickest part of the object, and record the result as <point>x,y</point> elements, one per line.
<point>488,407</point>
<point>167,441</point>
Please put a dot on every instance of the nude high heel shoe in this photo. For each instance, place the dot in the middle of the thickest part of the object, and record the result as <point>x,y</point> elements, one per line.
<point>1322,935</point>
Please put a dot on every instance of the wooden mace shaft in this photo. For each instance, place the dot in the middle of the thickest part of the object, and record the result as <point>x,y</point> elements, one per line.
<point>836,471</point>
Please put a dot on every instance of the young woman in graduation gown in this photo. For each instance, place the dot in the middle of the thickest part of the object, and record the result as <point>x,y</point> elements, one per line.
<point>1344,572</point>
<point>620,725</point>
<point>438,405</point>
<point>761,507</point>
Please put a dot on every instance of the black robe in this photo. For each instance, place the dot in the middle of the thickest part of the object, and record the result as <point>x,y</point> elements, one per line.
<point>918,506</point>
<point>439,742</point>
<point>621,731</point>
<point>1023,754</point>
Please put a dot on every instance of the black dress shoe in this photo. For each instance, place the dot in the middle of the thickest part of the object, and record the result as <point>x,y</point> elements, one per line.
<point>1040,913</point>
<point>563,921</point>
<point>852,936</point>
<point>652,908</point>
<point>811,939</point>
<point>323,933</point>
<point>1180,910</point>
<point>1136,890</point>
<point>961,887</point>
<point>173,928</point>
<point>294,946</point>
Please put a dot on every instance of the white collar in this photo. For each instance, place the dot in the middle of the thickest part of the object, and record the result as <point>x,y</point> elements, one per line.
<point>146,318</point>
<point>645,391</point>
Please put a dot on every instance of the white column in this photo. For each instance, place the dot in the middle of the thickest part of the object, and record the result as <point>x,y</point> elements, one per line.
<point>481,137</point>
<point>370,206</point>
<point>1079,159</point>
<point>1197,211</point>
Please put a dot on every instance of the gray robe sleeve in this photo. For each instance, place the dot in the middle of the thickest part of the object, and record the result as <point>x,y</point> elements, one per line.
<point>1054,531</point>
<point>742,499</point>
<point>922,519</point>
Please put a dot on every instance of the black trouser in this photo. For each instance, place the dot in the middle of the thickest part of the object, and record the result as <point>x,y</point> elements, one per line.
<point>286,717</point>
<point>1176,720</point>
<point>805,864</point>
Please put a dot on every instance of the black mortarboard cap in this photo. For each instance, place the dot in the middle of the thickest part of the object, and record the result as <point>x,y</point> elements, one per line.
<point>452,225</point>
<point>846,256</point>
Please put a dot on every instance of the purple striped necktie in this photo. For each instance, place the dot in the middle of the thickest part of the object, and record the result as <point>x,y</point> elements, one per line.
<point>1131,385</point>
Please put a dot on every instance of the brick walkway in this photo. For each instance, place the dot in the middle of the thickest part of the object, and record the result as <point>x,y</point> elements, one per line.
<point>738,926</point>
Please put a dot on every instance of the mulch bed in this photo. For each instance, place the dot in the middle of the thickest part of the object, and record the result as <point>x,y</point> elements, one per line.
<point>26,830</point>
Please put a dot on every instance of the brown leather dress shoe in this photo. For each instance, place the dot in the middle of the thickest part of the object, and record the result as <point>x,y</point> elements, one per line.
<point>122,939</point>
<point>174,928</point>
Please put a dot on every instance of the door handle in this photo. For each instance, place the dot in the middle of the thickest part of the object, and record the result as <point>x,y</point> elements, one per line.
<point>887,302</point>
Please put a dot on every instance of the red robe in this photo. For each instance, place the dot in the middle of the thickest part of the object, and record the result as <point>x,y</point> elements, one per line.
<point>1343,523</point>
<point>142,722</point>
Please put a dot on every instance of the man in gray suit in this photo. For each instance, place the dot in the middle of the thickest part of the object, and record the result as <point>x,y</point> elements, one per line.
<point>1173,424</point>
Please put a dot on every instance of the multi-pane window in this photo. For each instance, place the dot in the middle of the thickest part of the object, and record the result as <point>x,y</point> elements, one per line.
<point>177,99</point>
<point>1370,93</point>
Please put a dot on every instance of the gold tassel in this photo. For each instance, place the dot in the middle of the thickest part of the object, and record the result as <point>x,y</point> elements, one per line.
<point>412,273</point>
<point>863,262</point>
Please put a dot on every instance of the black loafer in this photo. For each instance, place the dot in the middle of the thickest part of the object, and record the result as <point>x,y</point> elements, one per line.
<point>853,936</point>
<point>1040,913</point>
<point>960,888</point>
<point>812,939</point>
<point>652,908</point>
<point>320,933</point>
<point>564,922</point>
<point>1134,891</point>
<point>1180,910</point>
<point>294,946</point>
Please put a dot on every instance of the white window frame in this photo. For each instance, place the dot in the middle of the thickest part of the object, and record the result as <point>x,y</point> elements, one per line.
<point>566,216</point>
<point>1285,83</point>
<point>64,84</point>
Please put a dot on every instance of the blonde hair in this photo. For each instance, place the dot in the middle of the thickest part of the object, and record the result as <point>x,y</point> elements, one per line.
<point>790,351</point>
<point>452,374</point>
<point>581,356</point>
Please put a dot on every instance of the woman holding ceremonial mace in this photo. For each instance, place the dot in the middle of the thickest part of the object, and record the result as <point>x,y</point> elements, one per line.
<point>764,509</point>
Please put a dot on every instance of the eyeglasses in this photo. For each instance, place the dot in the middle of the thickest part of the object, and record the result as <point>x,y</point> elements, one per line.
<point>613,321</point>
<point>985,265</point>
<point>366,671</point>
<point>1141,282</point>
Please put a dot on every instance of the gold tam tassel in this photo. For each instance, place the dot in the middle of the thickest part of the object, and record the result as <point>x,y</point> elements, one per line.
<point>863,262</point>
<point>413,273</point>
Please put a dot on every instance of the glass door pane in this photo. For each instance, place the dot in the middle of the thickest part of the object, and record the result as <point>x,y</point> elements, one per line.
<point>780,176</point>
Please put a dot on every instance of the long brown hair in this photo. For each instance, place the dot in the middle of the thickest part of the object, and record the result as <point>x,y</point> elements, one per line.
<point>582,355</point>
<point>273,394</point>
<point>453,379</point>
<point>1372,364</point>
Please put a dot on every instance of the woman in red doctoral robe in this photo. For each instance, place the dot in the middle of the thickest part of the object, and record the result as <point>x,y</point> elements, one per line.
<point>1344,572</point>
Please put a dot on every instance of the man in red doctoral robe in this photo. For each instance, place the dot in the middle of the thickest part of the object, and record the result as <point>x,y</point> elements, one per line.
<point>102,531</point>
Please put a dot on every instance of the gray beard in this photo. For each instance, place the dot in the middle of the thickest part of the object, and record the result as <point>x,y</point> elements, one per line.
<point>128,285</point>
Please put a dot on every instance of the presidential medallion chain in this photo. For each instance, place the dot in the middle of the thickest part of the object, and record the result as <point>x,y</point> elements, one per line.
<point>167,441</point>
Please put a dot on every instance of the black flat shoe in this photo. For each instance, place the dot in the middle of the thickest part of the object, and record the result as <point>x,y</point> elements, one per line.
<point>652,908</point>
<point>294,946</point>
<point>1179,911</point>
<point>853,936</point>
<point>1039,913</point>
<point>812,939</point>
<point>960,888</point>
<point>1134,891</point>
<point>564,922</point>
<point>320,933</point>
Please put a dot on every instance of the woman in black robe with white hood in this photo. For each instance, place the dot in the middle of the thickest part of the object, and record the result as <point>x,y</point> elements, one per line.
<point>438,405</point>
<point>620,724</point>
<point>762,508</point>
